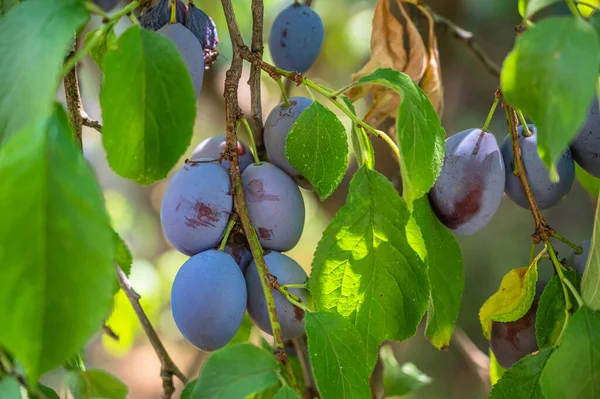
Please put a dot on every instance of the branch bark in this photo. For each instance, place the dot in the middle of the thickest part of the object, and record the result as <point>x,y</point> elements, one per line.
<point>255,75</point>
<point>74,104</point>
<point>168,369</point>
<point>478,361</point>
<point>233,113</point>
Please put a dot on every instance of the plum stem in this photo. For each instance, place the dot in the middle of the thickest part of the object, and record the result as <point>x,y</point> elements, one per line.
<point>284,96</point>
<point>293,299</point>
<point>230,225</point>
<point>577,248</point>
<point>294,286</point>
<point>532,253</point>
<point>526,131</point>
<point>574,292</point>
<point>573,8</point>
<point>558,267</point>
<point>488,120</point>
<point>232,114</point>
<point>252,142</point>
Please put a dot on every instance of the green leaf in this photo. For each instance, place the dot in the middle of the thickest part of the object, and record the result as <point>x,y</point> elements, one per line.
<point>538,78</point>
<point>109,40</point>
<point>573,370</point>
<point>419,130</point>
<point>522,380</point>
<point>49,392</point>
<point>400,379</point>
<point>58,277</point>
<point>286,393</point>
<point>10,388</point>
<point>590,284</point>
<point>92,384</point>
<point>364,156</point>
<point>338,356</point>
<point>512,300</point>
<point>368,266</point>
<point>496,370</point>
<point>122,255</point>
<point>446,276</point>
<point>235,371</point>
<point>35,37</point>
<point>550,316</point>
<point>317,147</point>
<point>527,8</point>
<point>589,182</point>
<point>148,106</point>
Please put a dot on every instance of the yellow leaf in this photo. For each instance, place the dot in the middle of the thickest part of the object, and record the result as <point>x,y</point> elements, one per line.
<point>512,300</point>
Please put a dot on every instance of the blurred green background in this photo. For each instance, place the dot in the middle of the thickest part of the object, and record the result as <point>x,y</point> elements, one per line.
<point>469,91</point>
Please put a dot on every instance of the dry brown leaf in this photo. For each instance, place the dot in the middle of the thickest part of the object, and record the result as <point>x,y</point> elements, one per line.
<point>389,49</point>
<point>432,80</point>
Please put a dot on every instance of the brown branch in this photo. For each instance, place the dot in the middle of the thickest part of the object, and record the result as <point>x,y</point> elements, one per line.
<point>168,369</point>
<point>542,230</point>
<point>478,361</point>
<point>255,75</point>
<point>73,96</point>
<point>109,331</point>
<point>232,114</point>
<point>301,348</point>
<point>468,39</point>
<point>89,122</point>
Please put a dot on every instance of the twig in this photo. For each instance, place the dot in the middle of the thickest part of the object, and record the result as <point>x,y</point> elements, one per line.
<point>232,115</point>
<point>255,75</point>
<point>109,331</point>
<point>89,122</point>
<point>168,369</point>
<point>478,361</point>
<point>73,96</point>
<point>301,348</point>
<point>542,230</point>
<point>468,39</point>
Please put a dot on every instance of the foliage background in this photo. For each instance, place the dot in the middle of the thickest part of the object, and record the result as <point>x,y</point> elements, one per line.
<point>488,255</point>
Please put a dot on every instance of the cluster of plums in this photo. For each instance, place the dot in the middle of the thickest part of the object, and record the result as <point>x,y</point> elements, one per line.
<point>213,289</point>
<point>477,172</point>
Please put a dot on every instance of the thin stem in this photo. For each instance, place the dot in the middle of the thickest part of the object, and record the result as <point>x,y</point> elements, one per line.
<point>303,358</point>
<point>96,9</point>
<point>294,285</point>
<point>230,225</point>
<point>479,361</point>
<point>173,19</point>
<point>293,299</point>
<point>526,131</point>
<point>574,292</point>
<point>252,142</point>
<point>486,125</point>
<point>284,96</point>
<point>559,270</point>
<point>573,8</point>
<point>342,90</point>
<point>168,368</point>
<point>532,253</point>
<point>232,114</point>
<point>542,229</point>
<point>577,248</point>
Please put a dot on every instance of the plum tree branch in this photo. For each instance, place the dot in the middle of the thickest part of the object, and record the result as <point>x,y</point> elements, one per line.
<point>479,361</point>
<point>78,118</point>
<point>255,75</point>
<point>168,368</point>
<point>233,113</point>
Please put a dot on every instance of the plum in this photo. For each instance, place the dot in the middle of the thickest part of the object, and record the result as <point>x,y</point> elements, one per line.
<point>190,49</point>
<point>107,5</point>
<point>275,206</point>
<point>237,247</point>
<point>579,261</point>
<point>296,38</point>
<point>546,192</point>
<point>468,191</point>
<point>514,340</point>
<point>208,299</point>
<point>586,146</point>
<point>196,206</point>
<point>160,15</point>
<point>287,271</point>
<point>277,127</point>
<point>202,26</point>
<point>212,148</point>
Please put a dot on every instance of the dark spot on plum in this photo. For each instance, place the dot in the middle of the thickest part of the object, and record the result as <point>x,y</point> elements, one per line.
<point>177,207</point>
<point>204,216</point>
<point>465,207</point>
<point>264,233</point>
<point>255,192</point>
<point>298,313</point>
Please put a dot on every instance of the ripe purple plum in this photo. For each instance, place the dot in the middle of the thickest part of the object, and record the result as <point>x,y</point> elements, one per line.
<point>208,299</point>
<point>237,247</point>
<point>469,189</point>
<point>196,206</point>
<point>160,15</point>
<point>275,206</point>
<point>296,38</point>
<point>579,261</point>
<point>277,127</point>
<point>514,340</point>
<point>212,148</point>
<point>546,192</point>
<point>287,271</point>
<point>202,26</point>
<point>586,146</point>
<point>190,49</point>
